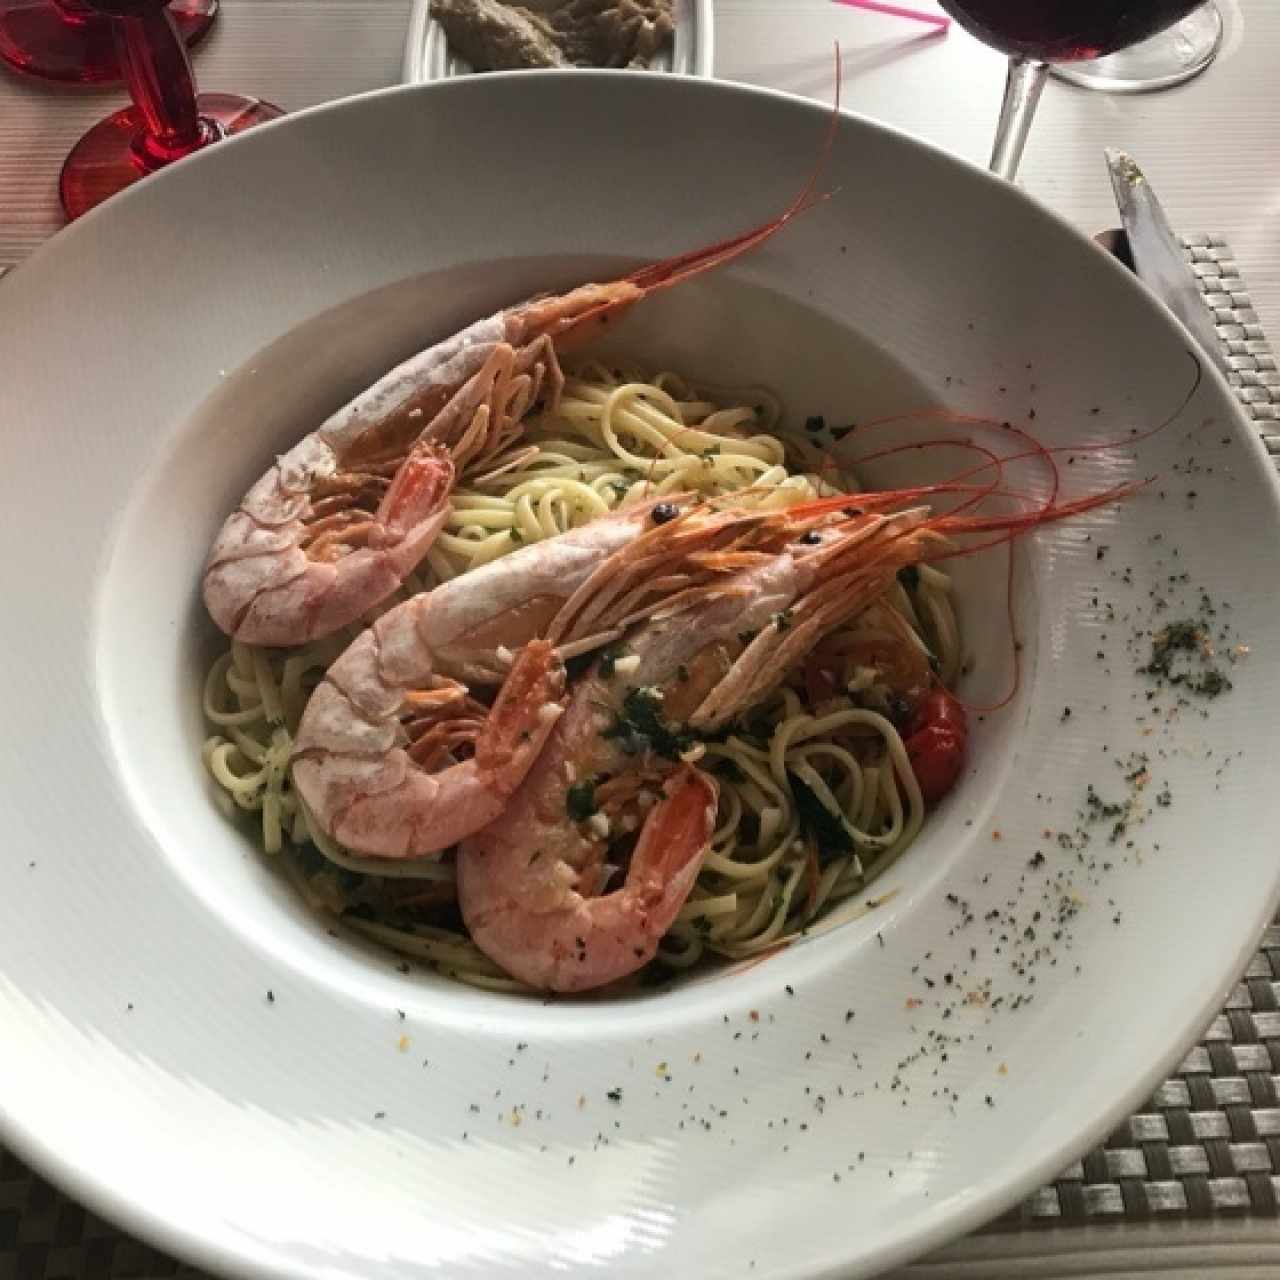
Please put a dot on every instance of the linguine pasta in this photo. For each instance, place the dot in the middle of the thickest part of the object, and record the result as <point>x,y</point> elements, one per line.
<point>817,797</point>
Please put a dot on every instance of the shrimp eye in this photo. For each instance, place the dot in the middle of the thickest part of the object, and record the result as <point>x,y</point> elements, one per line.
<point>811,539</point>
<point>663,512</point>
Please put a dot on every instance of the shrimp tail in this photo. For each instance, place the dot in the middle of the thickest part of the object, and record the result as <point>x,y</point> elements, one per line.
<point>524,714</point>
<point>373,797</point>
<point>279,588</point>
<point>528,919</point>
<point>629,924</point>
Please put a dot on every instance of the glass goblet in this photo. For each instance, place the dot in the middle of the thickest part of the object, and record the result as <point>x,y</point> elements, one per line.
<point>66,40</point>
<point>1035,33</point>
<point>167,120</point>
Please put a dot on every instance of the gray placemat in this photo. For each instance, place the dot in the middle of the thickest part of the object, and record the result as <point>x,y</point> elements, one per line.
<point>1207,1144</point>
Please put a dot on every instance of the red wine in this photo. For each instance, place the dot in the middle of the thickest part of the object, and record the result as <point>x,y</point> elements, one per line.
<point>125,8</point>
<point>1066,30</point>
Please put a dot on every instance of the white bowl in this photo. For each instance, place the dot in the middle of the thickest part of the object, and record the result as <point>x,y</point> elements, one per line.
<point>190,1052</point>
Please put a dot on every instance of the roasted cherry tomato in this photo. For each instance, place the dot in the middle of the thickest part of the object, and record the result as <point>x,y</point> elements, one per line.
<point>936,744</point>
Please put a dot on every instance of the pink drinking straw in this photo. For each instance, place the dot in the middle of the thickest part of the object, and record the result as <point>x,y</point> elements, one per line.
<point>899,11</point>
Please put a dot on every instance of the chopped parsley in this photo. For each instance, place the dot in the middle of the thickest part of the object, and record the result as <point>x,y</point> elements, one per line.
<point>581,663</point>
<point>724,767</point>
<point>640,727</point>
<point>827,829</point>
<point>1172,651</point>
<point>580,803</point>
<point>782,620</point>
<point>578,665</point>
<point>1099,808</point>
<point>1177,637</point>
<point>1211,684</point>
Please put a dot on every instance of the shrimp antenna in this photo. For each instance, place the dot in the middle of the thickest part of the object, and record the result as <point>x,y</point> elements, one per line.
<point>661,275</point>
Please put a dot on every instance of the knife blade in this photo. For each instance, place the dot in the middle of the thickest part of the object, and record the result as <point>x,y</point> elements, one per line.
<point>1157,256</point>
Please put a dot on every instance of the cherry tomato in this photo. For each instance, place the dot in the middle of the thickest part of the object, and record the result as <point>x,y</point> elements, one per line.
<point>937,742</point>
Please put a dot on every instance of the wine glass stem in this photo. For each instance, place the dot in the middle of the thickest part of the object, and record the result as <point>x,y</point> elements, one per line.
<point>1021,95</point>
<point>158,73</point>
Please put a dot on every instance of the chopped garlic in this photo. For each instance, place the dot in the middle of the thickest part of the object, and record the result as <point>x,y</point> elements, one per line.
<point>503,654</point>
<point>599,825</point>
<point>863,678</point>
<point>549,713</point>
<point>627,666</point>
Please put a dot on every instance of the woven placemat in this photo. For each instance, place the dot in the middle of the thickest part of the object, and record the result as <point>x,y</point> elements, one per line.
<point>1206,1145</point>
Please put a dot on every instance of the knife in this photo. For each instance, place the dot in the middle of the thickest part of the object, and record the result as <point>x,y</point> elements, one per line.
<point>1157,256</point>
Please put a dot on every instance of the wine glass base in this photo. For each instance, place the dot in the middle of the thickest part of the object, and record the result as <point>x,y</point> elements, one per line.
<point>39,38</point>
<point>107,159</point>
<point>1172,57</point>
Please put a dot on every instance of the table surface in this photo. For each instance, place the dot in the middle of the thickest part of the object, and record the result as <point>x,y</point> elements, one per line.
<point>1211,149</point>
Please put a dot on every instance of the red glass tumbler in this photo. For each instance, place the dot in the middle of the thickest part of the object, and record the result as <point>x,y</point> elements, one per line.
<point>167,120</point>
<point>66,40</point>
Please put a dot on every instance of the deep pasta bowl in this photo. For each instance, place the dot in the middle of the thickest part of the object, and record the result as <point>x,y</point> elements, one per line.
<point>194,1054</point>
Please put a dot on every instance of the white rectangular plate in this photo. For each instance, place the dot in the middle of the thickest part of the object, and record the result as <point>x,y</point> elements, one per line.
<point>427,55</point>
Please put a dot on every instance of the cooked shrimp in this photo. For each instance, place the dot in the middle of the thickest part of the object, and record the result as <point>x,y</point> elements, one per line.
<point>339,521</point>
<point>396,705</point>
<point>534,885</point>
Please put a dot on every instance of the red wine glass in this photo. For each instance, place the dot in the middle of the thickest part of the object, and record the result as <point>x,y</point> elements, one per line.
<point>167,120</point>
<point>66,40</point>
<point>1036,32</point>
